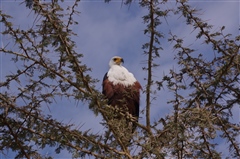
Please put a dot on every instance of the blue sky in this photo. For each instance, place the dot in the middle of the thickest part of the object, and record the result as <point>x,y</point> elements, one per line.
<point>108,29</point>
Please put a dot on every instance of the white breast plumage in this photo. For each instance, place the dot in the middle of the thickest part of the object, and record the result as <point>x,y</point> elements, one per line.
<point>120,75</point>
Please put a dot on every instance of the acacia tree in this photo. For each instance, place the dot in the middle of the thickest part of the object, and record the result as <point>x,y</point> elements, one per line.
<point>198,118</point>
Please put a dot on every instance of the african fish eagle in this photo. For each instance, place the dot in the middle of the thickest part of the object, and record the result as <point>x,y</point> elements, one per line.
<point>121,88</point>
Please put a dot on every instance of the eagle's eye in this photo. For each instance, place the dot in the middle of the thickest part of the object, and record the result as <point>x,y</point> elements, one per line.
<point>115,59</point>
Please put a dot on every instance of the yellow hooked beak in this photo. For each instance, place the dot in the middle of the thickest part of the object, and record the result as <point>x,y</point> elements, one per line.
<point>118,60</point>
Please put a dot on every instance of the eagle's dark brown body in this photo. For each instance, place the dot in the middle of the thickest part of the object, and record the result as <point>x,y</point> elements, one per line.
<point>123,96</point>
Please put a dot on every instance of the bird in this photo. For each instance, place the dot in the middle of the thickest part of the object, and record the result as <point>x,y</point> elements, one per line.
<point>121,88</point>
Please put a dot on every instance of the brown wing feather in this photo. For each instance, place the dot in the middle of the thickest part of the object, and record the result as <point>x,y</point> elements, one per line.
<point>107,88</point>
<point>136,98</point>
<point>121,96</point>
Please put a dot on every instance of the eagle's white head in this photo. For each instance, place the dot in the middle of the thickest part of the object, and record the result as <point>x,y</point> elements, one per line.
<point>118,74</point>
<point>116,60</point>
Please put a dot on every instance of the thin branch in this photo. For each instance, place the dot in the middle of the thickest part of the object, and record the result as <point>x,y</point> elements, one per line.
<point>150,58</point>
